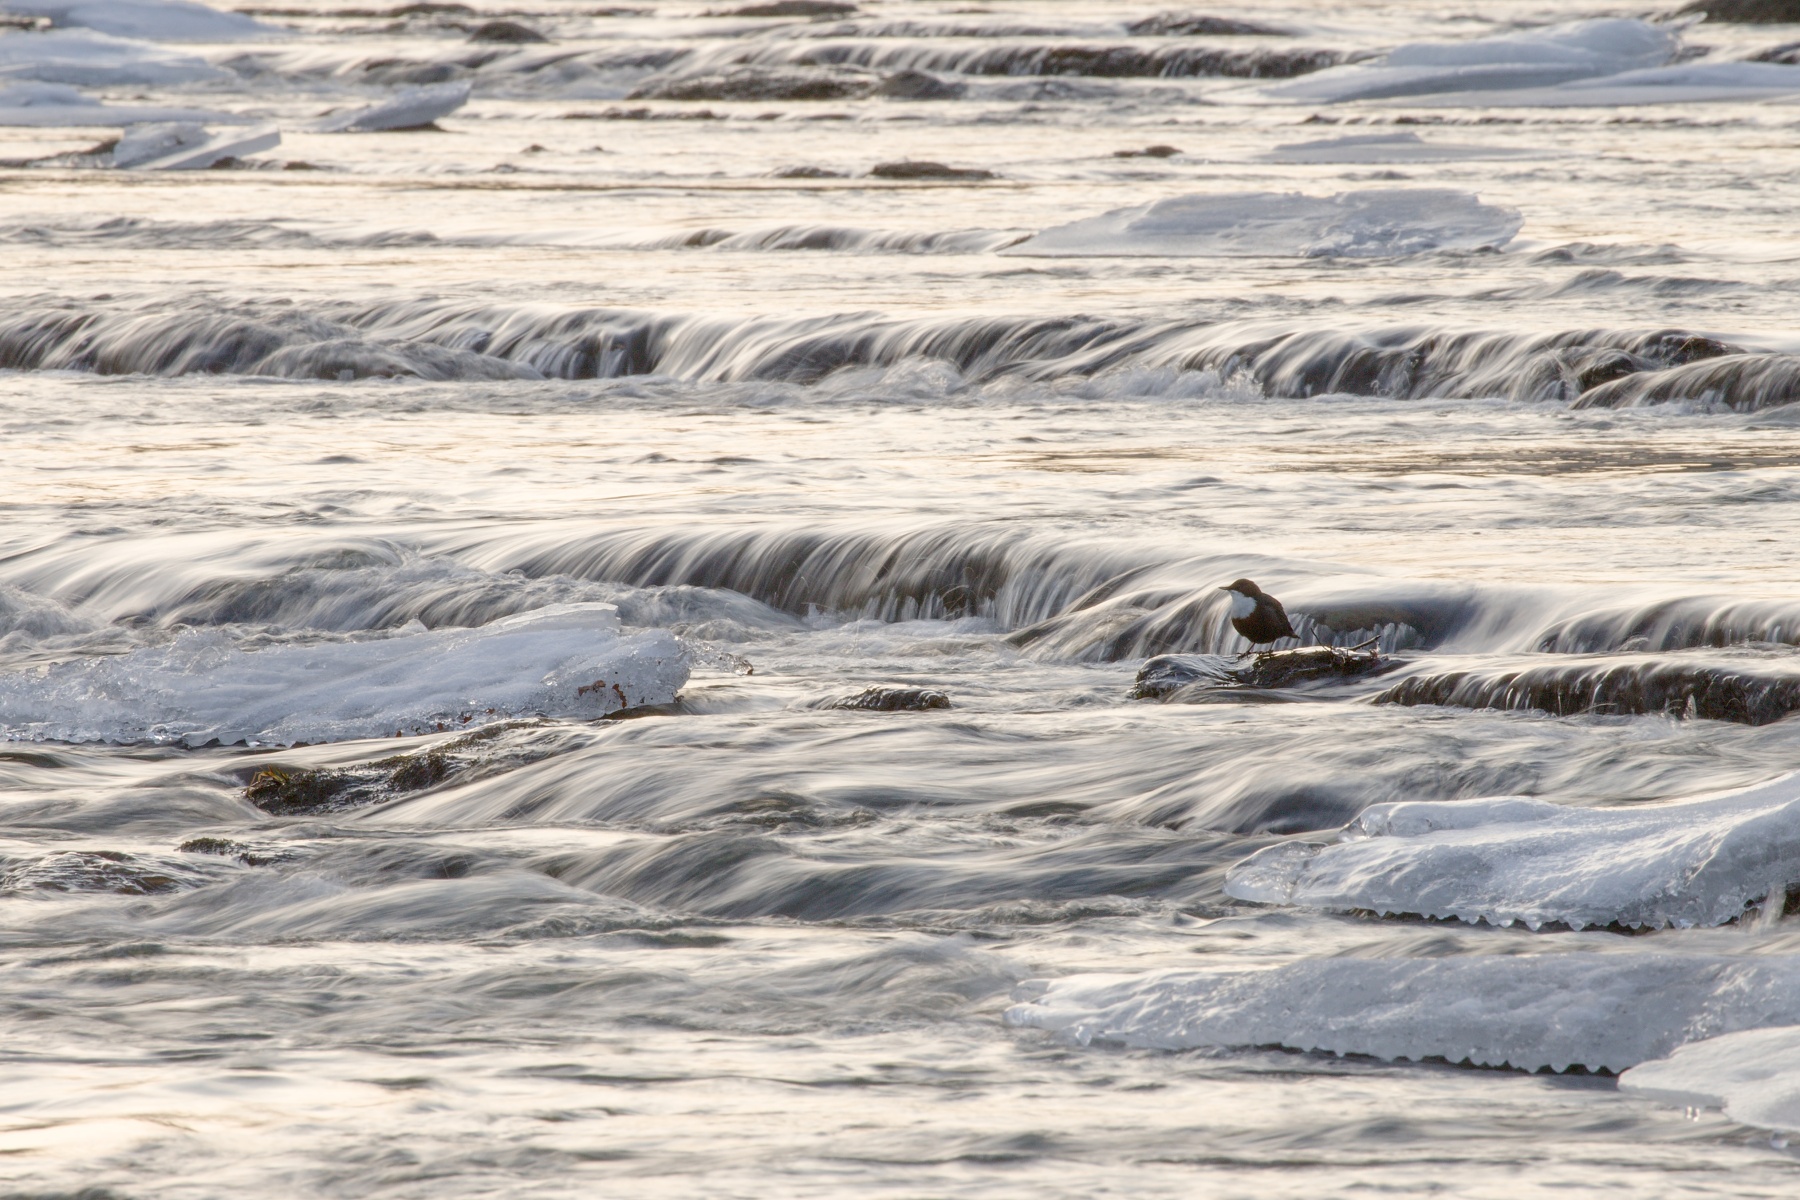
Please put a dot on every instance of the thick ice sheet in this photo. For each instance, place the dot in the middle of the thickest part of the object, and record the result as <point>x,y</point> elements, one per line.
<point>1533,58</point>
<point>1754,1076</point>
<point>1700,862</point>
<point>87,59</point>
<point>569,660</point>
<point>1379,222</point>
<point>1523,1011</point>
<point>408,109</point>
<point>152,20</point>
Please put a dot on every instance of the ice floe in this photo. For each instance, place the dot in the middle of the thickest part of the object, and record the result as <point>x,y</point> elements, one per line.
<point>410,108</point>
<point>151,20</point>
<point>567,660</point>
<point>87,59</point>
<point>1534,58</point>
<point>186,146</point>
<point>1593,1010</point>
<point>1754,1076</point>
<point>1385,148</point>
<point>59,105</point>
<point>1698,862</point>
<point>1689,83</point>
<point>1374,223</point>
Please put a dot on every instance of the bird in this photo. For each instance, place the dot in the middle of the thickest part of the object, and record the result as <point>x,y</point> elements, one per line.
<point>1257,615</point>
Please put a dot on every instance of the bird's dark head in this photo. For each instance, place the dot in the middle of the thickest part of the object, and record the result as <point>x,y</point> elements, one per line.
<point>1242,587</point>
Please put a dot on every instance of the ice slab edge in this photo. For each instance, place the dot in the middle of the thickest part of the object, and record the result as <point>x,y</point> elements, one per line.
<point>1373,223</point>
<point>1517,859</point>
<point>568,661</point>
<point>1529,1012</point>
<point>1754,1076</point>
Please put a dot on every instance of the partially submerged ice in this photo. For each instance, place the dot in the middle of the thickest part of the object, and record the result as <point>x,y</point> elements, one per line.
<point>410,108</point>
<point>1377,222</point>
<point>1403,147</point>
<point>568,660</point>
<point>1532,58</point>
<point>151,20</point>
<point>1753,1075</point>
<point>185,146</point>
<point>1517,859</point>
<point>1592,1010</point>
<point>59,105</point>
<point>87,59</point>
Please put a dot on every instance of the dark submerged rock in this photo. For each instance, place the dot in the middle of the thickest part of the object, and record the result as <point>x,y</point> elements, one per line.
<point>1744,382</point>
<point>1168,675</point>
<point>226,848</point>
<point>95,871</point>
<point>1177,24</point>
<point>762,84</point>
<point>510,32</point>
<point>1746,12</point>
<point>806,173</point>
<point>891,699</point>
<point>1787,52</point>
<point>920,85</point>
<point>1148,152</point>
<point>1747,691</point>
<point>926,170</point>
<point>1174,60</point>
<point>286,791</point>
<point>807,9</point>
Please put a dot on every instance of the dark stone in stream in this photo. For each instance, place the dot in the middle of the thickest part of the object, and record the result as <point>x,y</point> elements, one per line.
<point>1787,52</point>
<point>1746,12</point>
<point>1148,152</point>
<point>226,848</point>
<point>1176,24</point>
<point>286,791</point>
<point>96,871</point>
<point>505,31</point>
<point>1748,691</point>
<point>926,170</point>
<point>806,173</point>
<point>920,85</point>
<point>891,699</point>
<point>1168,675</point>
<point>762,84</point>
<point>807,9</point>
<point>1743,382</point>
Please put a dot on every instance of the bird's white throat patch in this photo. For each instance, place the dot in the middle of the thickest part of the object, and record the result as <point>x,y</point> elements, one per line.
<point>1242,605</point>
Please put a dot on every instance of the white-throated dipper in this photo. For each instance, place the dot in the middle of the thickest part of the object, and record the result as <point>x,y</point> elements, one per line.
<point>1256,614</point>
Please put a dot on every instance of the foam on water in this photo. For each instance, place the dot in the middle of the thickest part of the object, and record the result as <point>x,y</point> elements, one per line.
<point>1529,1012</point>
<point>1699,862</point>
<point>563,660</point>
<point>1368,224</point>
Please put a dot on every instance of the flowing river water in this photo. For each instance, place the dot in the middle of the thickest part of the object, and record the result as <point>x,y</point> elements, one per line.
<point>441,573</point>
